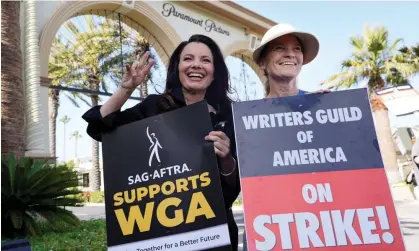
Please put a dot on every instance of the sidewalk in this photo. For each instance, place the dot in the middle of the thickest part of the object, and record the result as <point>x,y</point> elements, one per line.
<point>408,213</point>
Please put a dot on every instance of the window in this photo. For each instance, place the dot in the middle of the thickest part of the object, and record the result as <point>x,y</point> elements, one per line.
<point>85,180</point>
<point>412,135</point>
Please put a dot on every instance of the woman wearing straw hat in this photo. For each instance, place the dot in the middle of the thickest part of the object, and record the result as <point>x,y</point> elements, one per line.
<point>281,54</point>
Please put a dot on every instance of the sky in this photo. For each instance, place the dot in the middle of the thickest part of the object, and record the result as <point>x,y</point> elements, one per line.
<point>332,22</point>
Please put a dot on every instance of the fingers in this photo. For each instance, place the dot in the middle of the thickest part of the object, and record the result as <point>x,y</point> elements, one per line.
<point>214,138</point>
<point>221,143</point>
<point>220,134</point>
<point>143,60</point>
<point>128,73</point>
<point>219,153</point>
<point>147,68</point>
<point>222,148</point>
<point>142,68</point>
<point>132,70</point>
<point>138,64</point>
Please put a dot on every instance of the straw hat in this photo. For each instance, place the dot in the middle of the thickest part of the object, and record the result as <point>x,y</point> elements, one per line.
<point>309,43</point>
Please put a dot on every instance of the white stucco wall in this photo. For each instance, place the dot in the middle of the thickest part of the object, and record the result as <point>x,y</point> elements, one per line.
<point>174,11</point>
<point>44,11</point>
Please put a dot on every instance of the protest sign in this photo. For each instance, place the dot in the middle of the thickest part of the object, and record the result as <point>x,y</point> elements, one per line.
<point>312,175</point>
<point>162,187</point>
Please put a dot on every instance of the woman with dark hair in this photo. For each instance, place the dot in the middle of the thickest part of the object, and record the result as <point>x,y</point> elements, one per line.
<point>196,71</point>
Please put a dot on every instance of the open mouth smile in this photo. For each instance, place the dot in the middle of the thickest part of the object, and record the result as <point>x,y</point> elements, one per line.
<point>288,63</point>
<point>195,76</point>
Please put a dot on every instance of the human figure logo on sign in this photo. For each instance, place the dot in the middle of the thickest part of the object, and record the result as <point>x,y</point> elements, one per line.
<point>154,148</point>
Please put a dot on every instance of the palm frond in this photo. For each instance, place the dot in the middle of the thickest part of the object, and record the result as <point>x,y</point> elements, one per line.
<point>393,47</point>
<point>30,188</point>
<point>73,100</point>
<point>31,225</point>
<point>342,79</point>
<point>374,58</point>
<point>71,27</point>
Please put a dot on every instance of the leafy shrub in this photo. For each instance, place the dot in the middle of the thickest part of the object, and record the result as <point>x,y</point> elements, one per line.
<point>33,191</point>
<point>93,197</point>
<point>88,235</point>
<point>97,197</point>
<point>238,202</point>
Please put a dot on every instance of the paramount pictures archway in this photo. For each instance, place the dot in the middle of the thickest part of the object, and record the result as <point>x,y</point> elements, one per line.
<point>237,31</point>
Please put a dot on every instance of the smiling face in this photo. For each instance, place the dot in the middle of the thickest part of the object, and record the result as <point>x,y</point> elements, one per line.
<point>283,58</point>
<point>196,67</point>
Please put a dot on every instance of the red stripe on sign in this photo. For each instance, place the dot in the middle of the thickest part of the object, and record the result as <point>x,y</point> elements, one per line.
<point>346,210</point>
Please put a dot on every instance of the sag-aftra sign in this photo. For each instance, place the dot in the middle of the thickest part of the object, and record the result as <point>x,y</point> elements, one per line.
<point>162,189</point>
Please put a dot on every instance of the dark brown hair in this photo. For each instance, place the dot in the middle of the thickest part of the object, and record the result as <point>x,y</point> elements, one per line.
<point>217,92</point>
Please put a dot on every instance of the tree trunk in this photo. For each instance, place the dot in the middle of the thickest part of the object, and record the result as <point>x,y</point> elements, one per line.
<point>385,140</point>
<point>53,103</point>
<point>75,147</point>
<point>95,173</point>
<point>64,141</point>
<point>12,91</point>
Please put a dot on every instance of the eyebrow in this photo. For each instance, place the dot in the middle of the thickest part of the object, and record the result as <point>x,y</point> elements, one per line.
<point>296,43</point>
<point>193,56</point>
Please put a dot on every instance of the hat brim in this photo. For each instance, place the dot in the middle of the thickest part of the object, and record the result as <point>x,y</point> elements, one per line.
<point>308,41</point>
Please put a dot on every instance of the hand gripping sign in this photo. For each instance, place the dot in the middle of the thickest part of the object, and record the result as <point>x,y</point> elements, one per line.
<point>312,175</point>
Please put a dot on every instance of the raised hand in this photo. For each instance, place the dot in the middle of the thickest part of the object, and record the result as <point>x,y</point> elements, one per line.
<point>137,72</point>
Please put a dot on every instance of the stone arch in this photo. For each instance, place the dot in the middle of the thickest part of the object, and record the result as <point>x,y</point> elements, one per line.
<point>142,13</point>
<point>241,50</point>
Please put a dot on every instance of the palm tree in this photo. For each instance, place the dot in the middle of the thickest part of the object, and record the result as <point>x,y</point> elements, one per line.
<point>91,60</point>
<point>83,63</point>
<point>410,57</point>
<point>53,104</point>
<point>60,72</point>
<point>64,120</point>
<point>76,135</point>
<point>12,96</point>
<point>372,60</point>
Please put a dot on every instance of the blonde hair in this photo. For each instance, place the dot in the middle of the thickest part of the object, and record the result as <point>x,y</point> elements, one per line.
<point>262,57</point>
<point>267,87</point>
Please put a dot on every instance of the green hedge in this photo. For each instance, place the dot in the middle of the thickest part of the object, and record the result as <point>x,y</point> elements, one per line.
<point>94,197</point>
<point>89,235</point>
